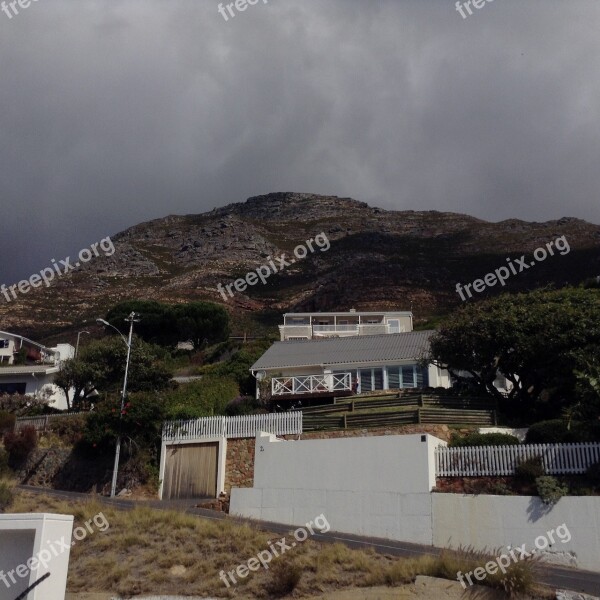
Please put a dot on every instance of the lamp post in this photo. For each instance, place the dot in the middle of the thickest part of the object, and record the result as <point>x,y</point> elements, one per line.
<point>77,346</point>
<point>131,320</point>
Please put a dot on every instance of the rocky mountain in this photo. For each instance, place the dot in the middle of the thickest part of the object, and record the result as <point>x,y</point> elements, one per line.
<point>377,259</point>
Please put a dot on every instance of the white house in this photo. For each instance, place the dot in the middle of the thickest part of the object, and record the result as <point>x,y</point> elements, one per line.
<point>341,365</point>
<point>307,326</point>
<point>36,374</point>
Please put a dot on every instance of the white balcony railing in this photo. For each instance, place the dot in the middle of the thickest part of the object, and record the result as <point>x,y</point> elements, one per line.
<point>335,328</point>
<point>311,384</point>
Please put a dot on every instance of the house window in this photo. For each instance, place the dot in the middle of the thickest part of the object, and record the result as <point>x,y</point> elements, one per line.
<point>13,388</point>
<point>295,339</point>
<point>371,379</point>
<point>409,379</point>
<point>405,376</point>
<point>4,344</point>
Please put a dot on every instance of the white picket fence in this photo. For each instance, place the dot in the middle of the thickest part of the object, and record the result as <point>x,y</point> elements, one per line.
<point>481,461</point>
<point>244,426</point>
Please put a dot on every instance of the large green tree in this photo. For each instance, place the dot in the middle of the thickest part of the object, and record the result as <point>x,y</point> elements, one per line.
<point>538,340</point>
<point>167,324</point>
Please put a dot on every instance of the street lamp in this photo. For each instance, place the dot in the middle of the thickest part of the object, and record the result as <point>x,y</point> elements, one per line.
<point>131,320</point>
<point>77,346</point>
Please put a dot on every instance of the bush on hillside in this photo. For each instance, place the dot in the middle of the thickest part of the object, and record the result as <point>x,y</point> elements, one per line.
<point>4,466</point>
<point>69,429</point>
<point>556,431</point>
<point>7,422</point>
<point>593,474</point>
<point>204,398</point>
<point>483,439</point>
<point>243,405</point>
<point>529,470</point>
<point>550,489</point>
<point>140,425</point>
<point>19,444</point>
<point>6,496</point>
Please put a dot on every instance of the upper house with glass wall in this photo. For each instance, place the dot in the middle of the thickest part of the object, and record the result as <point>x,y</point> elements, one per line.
<point>315,325</point>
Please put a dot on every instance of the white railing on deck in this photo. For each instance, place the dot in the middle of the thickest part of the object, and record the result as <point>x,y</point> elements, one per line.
<point>243,426</point>
<point>311,384</point>
<point>481,461</point>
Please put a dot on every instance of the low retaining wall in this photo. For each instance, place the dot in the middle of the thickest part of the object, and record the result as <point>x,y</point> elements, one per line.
<point>494,522</point>
<point>381,487</point>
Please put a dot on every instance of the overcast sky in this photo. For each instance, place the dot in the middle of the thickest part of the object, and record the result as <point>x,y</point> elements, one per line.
<point>115,112</point>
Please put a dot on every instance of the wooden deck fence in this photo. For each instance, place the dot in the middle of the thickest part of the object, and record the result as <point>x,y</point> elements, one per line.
<point>481,461</point>
<point>244,426</point>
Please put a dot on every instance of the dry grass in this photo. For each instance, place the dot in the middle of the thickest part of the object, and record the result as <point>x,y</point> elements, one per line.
<point>150,551</point>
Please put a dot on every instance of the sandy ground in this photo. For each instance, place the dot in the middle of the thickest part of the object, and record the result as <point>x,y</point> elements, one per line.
<point>424,588</point>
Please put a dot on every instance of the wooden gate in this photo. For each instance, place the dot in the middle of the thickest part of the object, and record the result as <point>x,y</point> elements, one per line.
<point>191,471</point>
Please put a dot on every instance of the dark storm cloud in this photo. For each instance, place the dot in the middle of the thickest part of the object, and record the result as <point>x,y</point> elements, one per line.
<point>119,111</point>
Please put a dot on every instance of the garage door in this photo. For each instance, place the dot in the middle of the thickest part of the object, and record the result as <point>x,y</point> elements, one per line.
<point>191,471</point>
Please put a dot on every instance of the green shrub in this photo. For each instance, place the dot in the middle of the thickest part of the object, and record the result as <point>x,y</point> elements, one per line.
<point>7,422</point>
<point>4,467</point>
<point>242,405</point>
<point>204,398</point>
<point>550,490</point>
<point>6,496</point>
<point>593,474</point>
<point>69,429</point>
<point>530,469</point>
<point>556,431</point>
<point>19,444</point>
<point>483,439</point>
<point>285,576</point>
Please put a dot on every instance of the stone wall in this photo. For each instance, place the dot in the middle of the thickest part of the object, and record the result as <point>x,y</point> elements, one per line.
<point>239,468</point>
<point>60,468</point>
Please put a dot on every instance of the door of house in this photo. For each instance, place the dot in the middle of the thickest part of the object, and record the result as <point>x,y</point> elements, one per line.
<point>191,471</point>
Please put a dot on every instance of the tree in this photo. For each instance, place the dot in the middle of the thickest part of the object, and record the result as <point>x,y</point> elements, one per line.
<point>532,338</point>
<point>167,324</point>
<point>77,375</point>
<point>101,364</point>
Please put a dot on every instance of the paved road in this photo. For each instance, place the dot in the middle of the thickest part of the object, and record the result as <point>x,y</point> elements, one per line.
<point>556,577</point>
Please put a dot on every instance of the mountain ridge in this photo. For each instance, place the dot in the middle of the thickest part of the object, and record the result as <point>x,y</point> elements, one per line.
<point>379,259</point>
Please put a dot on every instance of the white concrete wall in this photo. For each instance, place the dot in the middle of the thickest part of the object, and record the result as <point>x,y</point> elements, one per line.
<point>380,486</point>
<point>26,536</point>
<point>376,486</point>
<point>347,464</point>
<point>498,521</point>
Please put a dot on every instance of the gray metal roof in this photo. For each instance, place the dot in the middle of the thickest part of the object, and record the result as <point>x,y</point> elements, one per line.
<point>386,348</point>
